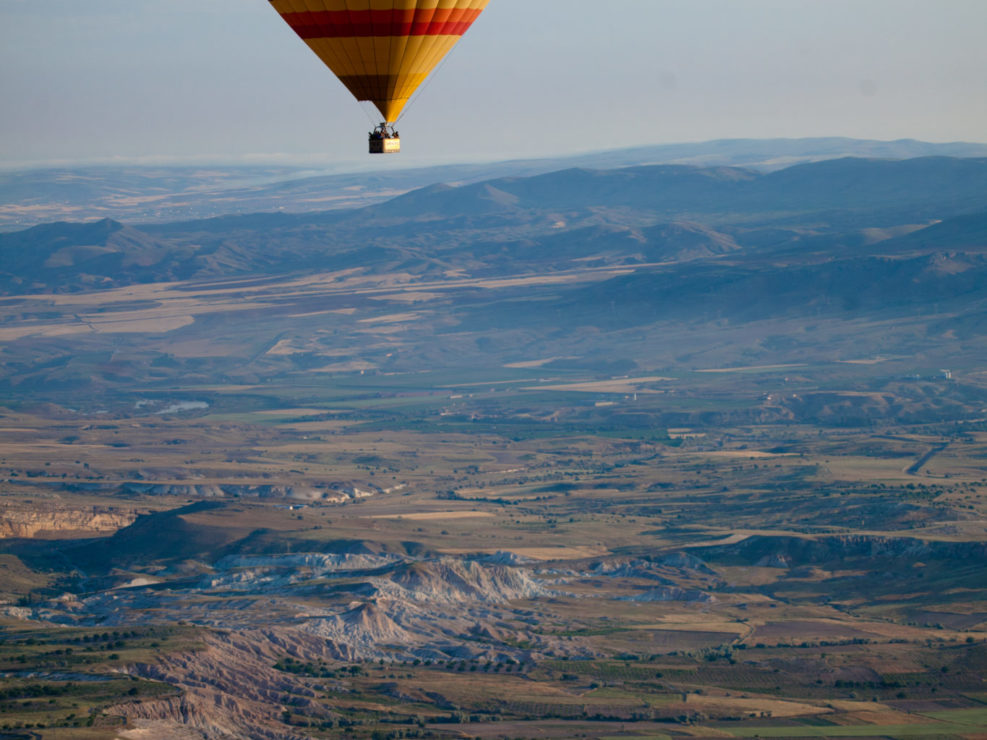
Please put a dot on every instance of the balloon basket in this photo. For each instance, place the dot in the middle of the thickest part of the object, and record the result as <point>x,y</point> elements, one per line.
<point>385,146</point>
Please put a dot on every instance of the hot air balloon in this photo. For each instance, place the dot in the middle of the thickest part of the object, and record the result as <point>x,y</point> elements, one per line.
<point>381,50</point>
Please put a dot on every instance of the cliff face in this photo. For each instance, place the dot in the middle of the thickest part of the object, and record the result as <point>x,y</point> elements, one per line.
<point>29,521</point>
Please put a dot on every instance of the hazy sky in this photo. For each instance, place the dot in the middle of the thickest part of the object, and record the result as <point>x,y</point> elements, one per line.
<point>227,80</point>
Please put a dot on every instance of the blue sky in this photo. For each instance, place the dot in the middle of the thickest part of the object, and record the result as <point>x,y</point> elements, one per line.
<point>227,81</point>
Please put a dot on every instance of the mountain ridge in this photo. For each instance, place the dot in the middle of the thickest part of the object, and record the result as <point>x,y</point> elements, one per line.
<point>549,222</point>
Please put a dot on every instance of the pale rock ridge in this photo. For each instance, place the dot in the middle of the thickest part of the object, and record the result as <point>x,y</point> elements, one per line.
<point>27,522</point>
<point>450,581</point>
<point>231,690</point>
<point>267,572</point>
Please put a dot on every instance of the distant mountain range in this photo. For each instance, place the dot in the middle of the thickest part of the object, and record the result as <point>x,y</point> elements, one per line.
<point>162,194</point>
<point>841,208</point>
<point>891,187</point>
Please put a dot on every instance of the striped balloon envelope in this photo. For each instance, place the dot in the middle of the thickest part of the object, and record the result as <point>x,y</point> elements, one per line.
<point>381,50</point>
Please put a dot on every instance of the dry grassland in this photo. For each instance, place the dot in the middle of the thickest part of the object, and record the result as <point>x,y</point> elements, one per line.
<point>356,366</point>
<point>533,363</point>
<point>739,454</point>
<point>424,516</point>
<point>693,623</point>
<point>752,705</point>
<point>752,368</point>
<point>617,385</point>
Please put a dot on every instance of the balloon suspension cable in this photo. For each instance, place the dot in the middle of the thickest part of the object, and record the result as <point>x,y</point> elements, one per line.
<point>370,111</point>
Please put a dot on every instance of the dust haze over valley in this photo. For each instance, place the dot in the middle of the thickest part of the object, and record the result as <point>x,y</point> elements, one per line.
<point>686,441</point>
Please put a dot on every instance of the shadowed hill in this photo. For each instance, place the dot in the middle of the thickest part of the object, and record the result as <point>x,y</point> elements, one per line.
<point>967,233</point>
<point>653,188</point>
<point>171,537</point>
<point>842,184</point>
<point>924,186</point>
<point>748,291</point>
<point>163,536</point>
<point>97,255</point>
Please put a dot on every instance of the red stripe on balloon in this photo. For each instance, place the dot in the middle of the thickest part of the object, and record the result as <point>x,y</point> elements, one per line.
<point>326,24</point>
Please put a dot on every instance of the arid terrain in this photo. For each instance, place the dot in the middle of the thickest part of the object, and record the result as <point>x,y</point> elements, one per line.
<point>567,456</point>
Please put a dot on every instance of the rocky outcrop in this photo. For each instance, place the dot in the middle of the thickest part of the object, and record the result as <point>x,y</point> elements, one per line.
<point>685,561</point>
<point>335,493</point>
<point>29,521</point>
<point>450,581</point>
<point>365,630</point>
<point>275,572</point>
<point>230,689</point>
<point>329,494</point>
